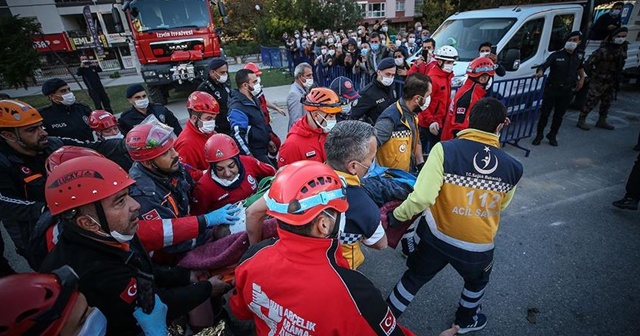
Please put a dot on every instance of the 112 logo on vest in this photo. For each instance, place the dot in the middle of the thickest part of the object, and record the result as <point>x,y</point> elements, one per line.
<point>388,323</point>
<point>482,168</point>
<point>402,148</point>
<point>252,181</point>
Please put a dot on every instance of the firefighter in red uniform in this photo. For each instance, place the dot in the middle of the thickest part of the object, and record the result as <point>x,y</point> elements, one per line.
<point>305,140</point>
<point>203,110</point>
<point>264,104</point>
<point>314,291</point>
<point>480,74</point>
<point>231,177</point>
<point>431,120</point>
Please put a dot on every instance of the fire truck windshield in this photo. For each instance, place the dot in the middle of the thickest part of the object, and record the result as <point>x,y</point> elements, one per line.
<point>150,15</point>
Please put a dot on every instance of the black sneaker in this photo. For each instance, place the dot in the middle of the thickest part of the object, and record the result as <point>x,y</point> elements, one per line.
<point>626,203</point>
<point>480,321</point>
<point>552,140</point>
<point>537,140</point>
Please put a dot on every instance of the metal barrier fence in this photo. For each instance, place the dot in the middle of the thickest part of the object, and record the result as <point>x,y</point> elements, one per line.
<point>276,57</point>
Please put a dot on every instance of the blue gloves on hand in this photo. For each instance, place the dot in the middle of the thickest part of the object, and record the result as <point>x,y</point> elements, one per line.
<point>225,215</point>
<point>154,324</point>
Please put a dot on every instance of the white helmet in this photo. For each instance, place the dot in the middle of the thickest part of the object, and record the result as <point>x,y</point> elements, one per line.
<point>446,53</point>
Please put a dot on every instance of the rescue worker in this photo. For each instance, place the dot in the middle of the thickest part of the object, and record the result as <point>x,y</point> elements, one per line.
<point>632,196</point>
<point>264,104</point>
<point>24,147</point>
<point>303,74</point>
<point>480,74</point>
<point>565,67</point>
<point>351,151</point>
<point>604,68</point>
<point>89,70</point>
<point>461,183</point>
<point>249,128</point>
<point>203,111</point>
<point>607,22</point>
<point>425,61</point>
<point>230,177</point>
<point>308,199</point>
<point>397,128</point>
<point>90,195</point>
<point>347,93</point>
<point>305,140</point>
<point>432,119</point>
<point>377,95</point>
<point>65,117</point>
<point>163,187</point>
<point>105,126</point>
<point>217,85</point>
<point>141,108</point>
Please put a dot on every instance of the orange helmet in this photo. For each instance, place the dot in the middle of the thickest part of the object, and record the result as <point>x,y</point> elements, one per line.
<point>322,99</point>
<point>203,102</point>
<point>66,153</point>
<point>481,66</point>
<point>14,113</point>
<point>100,120</point>
<point>148,141</point>
<point>253,67</point>
<point>220,147</point>
<point>37,304</point>
<point>83,181</point>
<point>302,190</point>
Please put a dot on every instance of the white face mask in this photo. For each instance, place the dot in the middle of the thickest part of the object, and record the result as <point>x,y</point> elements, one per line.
<point>426,103</point>
<point>484,53</point>
<point>256,89</point>
<point>419,28</point>
<point>399,61</point>
<point>95,324</point>
<point>223,78</point>
<point>332,52</point>
<point>142,103</point>
<point>386,81</point>
<point>384,28</point>
<point>223,182</point>
<point>412,40</point>
<point>447,68</point>
<point>308,83</point>
<point>346,108</point>
<point>398,43</point>
<point>330,125</point>
<point>121,238</point>
<point>208,126</point>
<point>323,51</point>
<point>68,98</point>
<point>117,136</point>
<point>489,83</point>
<point>619,40</point>
<point>571,46</point>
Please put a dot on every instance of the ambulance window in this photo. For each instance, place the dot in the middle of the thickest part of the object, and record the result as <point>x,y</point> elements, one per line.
<point>562,26</point>
<point>527,40</point>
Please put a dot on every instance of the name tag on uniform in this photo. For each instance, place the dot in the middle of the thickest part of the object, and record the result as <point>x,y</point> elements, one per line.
<point>310,154</point>
<point>380,101</point>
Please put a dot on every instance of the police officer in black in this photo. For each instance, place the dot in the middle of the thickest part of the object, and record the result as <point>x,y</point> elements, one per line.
<point>141,108</point>
<point>88,70</point>
<point>377,95</point>
<point>65,117</point>
<point>217,85</point>
<point>565,68</point>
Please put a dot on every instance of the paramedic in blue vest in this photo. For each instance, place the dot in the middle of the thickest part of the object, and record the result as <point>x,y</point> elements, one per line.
<point>464,186</point>
<point>397,127</point>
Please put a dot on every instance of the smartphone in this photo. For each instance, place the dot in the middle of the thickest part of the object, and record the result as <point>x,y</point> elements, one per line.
<point>494,49</point>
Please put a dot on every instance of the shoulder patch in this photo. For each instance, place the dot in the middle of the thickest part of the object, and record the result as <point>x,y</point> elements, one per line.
<point>130,293</point>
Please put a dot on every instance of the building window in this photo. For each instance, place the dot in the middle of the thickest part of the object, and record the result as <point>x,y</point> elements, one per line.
<point>399,6</point>
<point>376,10</point>
<point>363,8</point>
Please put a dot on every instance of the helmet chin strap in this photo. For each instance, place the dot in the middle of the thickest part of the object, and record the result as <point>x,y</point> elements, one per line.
<point>102,217</point>
<point>19,139</point>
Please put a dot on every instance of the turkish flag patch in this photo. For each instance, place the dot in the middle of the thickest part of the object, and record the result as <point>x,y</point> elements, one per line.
<point>388,323</point>
<point>130,293</point>
<point>151,215</point>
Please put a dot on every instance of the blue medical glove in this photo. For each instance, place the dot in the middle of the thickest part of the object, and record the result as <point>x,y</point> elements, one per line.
<point>225,215</point>
<point>154,324</point>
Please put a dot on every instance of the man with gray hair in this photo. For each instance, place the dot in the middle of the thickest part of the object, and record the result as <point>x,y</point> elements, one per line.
<point>303,74</point>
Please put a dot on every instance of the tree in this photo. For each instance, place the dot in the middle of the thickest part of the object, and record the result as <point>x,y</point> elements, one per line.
<point>18,59</point>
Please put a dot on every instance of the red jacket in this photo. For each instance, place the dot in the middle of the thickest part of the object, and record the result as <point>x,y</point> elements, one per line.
<point>208,195</point>
<point>302,143</point>
<point>422,68</point>
<point>312,291</point>
<point>440,98</point>
<point>190,147</point>
<point>458,116</point>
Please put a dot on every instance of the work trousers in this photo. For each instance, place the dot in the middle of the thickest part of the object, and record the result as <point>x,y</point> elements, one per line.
<point>557,99</point>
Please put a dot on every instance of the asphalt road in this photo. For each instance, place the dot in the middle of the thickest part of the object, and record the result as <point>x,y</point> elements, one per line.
<point>562,249</point>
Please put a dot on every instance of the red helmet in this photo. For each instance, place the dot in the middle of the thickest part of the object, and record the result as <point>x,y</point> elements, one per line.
<point>200,101</point>
<point>253,67</point>
<point>100,120</point>
<point>302,190</point>
<point>220,147</point>
<point>148,141</point>
<point>37,304</point>
<point>481,66</point>
<point>82,181</point>
<point>66,153</point>
<point>14,113</point>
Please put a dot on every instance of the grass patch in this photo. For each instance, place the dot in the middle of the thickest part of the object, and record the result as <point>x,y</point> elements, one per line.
<point>119,102</point>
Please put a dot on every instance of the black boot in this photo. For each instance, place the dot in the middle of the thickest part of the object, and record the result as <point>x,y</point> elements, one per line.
<point>602,123</point>
<point>536,141</point>
<point>552,140</point>
<point>582,122</point>
<point>626,203</point>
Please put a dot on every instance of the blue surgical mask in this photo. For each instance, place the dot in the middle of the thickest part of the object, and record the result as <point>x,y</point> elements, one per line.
<point>95,324</point>
<point>374,46</point>
<point>370,169</point>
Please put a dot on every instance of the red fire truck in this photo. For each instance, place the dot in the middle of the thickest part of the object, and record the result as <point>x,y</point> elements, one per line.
<point>174,41</point>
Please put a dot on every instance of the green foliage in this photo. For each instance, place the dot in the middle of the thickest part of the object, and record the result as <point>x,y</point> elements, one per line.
<point>115,74</point>
<point>18,59</point>
<point>436,11</point>
<point>233,48</point>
